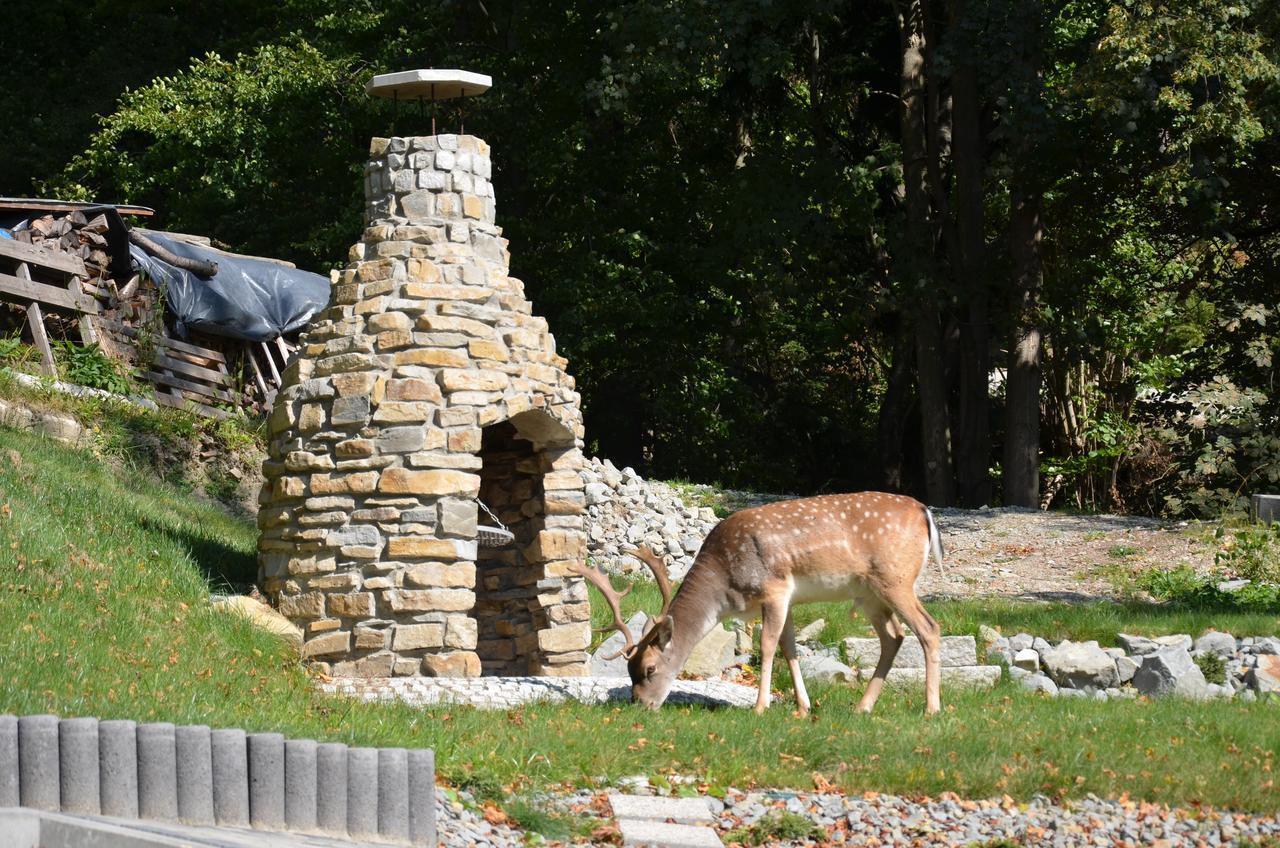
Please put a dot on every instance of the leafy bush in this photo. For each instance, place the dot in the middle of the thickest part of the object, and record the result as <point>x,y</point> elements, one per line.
<point>1184,586</point>
<point>87,365</point>
<point>1213,667</point>
<point>1251,552</point>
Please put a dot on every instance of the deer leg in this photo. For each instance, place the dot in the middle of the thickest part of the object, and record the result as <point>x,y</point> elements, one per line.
<point>793,664</point>
<point>929,633</point>
<point>890,633</point>
<point>773,616</point>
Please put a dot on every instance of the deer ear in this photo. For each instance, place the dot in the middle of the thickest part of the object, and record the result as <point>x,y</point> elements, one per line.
<point>663,630</point>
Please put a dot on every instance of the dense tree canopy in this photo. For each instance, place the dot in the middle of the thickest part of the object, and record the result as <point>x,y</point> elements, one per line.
<point>971,249</point>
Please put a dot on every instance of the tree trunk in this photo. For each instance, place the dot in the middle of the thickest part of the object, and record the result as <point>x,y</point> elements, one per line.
<point>1022,388</point>
<point>1026,231</point>
<point>894,407</point>
<point>973,432</point>
<point>916,265</point>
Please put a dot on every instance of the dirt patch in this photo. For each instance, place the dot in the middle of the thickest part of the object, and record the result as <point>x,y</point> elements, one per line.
<point>1053,556</point>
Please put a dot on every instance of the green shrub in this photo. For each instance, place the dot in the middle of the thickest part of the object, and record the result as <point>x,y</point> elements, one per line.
<point>777,826</point>
<point>1214,668</point>
<point>1251,552</point>
<point>87,365</point>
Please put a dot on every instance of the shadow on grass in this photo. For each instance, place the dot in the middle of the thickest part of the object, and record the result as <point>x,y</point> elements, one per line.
<point>221,564</point>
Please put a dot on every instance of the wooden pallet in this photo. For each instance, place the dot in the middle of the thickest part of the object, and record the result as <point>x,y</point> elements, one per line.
<point>185,375</point>
<point>41,279</point>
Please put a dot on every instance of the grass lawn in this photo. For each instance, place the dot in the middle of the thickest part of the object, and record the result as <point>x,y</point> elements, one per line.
<point>104,577</point>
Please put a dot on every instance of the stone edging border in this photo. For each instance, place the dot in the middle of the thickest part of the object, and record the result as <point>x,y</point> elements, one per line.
<point>224,777</point>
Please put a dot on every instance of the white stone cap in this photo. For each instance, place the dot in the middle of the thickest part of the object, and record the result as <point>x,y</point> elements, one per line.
<point>429,84</point>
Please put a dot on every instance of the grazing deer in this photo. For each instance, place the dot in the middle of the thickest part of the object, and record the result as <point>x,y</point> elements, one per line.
<point>868,547</point>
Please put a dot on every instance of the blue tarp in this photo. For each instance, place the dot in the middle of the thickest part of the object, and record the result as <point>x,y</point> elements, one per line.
<point>252,299</point>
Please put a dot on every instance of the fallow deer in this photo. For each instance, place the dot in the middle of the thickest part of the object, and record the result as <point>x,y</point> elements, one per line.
<point>868,547</point>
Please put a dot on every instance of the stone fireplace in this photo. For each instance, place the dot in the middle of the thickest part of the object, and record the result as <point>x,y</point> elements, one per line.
<point>426,389</point>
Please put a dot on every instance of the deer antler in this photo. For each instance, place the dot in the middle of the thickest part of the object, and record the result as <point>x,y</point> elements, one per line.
<point>600,580</point>
<point>659,569</point>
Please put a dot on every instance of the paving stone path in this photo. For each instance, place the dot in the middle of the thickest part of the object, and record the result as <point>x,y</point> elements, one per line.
<point>647,820</point>
<point>507,692</point>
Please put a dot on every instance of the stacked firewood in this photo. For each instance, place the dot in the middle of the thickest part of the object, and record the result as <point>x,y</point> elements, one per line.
<point>76,234</point>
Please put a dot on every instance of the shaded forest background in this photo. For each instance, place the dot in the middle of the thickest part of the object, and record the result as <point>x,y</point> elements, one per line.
<point>981,251</point>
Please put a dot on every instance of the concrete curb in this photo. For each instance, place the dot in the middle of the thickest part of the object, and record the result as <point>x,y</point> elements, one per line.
<point>222,777</point>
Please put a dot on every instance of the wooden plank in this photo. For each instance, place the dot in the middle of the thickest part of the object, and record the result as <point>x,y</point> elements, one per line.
<point>65,263</point>
<point>26,290</point>
<point>189,405</point>
<point>180,367</point>
<point>33,204</point>
<point>187,385</point>
<point>87,333</point>
<point>271,363</point>
<point>267,394</point>
<point>165,341</point>
<point>35,318</point>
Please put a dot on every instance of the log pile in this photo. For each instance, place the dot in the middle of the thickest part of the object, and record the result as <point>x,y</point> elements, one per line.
<point>76,234</point>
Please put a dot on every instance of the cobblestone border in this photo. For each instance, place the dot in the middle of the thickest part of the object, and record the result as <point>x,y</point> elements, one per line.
<point>507,692</point>
<point>225,777</point>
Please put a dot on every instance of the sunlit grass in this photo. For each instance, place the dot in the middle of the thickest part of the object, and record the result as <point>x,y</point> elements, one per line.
<point>104,578</point>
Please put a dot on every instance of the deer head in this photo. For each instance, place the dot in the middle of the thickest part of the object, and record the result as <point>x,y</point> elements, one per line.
<point>652,672</point>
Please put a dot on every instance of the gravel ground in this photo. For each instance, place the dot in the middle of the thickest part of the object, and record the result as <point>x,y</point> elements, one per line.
<point>1051,556</point>
<point>889,820</point>
<point>458,825</point>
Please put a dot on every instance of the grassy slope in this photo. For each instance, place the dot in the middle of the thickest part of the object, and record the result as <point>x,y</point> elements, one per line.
<point>103,580</point>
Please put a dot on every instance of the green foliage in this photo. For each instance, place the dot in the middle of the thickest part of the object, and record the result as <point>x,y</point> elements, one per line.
<point>1213,667</point>
<point>1250,551</point>
<point>775,826</point>
<point>87,365</point>
<point>1183,586</point>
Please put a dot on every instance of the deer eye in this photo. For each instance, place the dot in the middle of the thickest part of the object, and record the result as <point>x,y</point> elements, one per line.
<point>649,670</point>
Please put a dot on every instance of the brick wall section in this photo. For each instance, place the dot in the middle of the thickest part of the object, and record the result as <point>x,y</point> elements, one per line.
<point>368,524</point>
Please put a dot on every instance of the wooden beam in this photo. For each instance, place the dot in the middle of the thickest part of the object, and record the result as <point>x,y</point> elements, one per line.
<point>165,341</point>
<point>54,260</point>
<point>188,386</point>
<point>268,396</point>
<point>180,367</point>
<point>271,363</point>
<point>25,290</point>
<point>190,405</point>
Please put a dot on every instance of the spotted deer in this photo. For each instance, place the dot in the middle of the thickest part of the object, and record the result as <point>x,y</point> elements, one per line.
<point>868,547</point>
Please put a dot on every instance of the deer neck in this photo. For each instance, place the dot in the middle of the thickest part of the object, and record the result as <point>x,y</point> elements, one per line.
<point>696,608</point>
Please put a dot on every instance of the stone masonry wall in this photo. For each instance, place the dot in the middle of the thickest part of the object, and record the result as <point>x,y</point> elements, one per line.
<point>427,374</point>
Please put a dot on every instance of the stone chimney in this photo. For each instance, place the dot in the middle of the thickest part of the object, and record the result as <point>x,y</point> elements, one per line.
<point>426,384</point>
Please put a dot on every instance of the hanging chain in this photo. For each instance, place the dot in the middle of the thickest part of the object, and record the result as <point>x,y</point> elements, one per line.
<point>489,512</point>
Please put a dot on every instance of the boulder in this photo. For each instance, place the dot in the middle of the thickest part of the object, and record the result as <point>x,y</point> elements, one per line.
<point>1027,658</point>
<point>975,676</point>
<point>811,632</point>
<point>953,652</point>
<point>1021,642</point>
<point>1077,665</point>
<point>1214,642</point>
<point>616,667</point>
<point>712,655</point>
<point>826,670</point>
<point>1265,676</point>
<point>1127,667</point>
<point>261,615</point>
<point>1142,645</point>
<point>1170,671</point>
<point>1039,683</point>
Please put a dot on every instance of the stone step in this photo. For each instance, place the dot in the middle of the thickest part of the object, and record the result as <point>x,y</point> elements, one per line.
<point>651,834</point>
<point>653,808</point>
